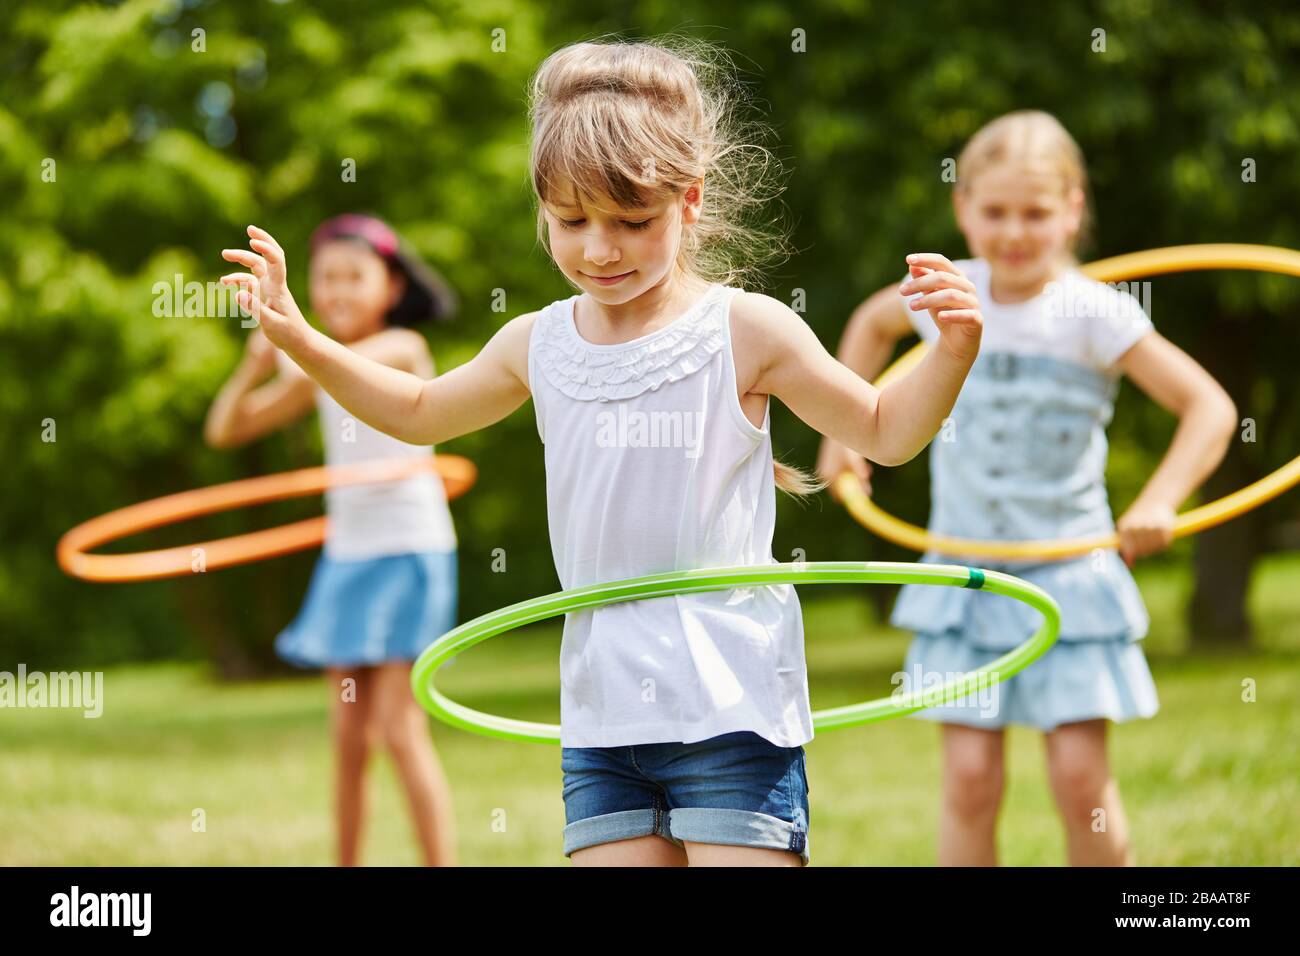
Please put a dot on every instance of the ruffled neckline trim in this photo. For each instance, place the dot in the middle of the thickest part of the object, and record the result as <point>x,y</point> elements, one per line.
<point>588,372</point>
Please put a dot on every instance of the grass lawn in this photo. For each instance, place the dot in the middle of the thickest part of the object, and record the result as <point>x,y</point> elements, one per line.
<point>1212,779</point>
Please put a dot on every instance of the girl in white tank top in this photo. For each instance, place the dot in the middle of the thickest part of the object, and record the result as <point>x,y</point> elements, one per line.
<point>384,518</point>
<point>651,465</point>
<point>384,586</point>
<point>682,718</point>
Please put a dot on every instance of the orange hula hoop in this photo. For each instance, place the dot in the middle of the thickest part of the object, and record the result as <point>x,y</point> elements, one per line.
<point>458,475</point>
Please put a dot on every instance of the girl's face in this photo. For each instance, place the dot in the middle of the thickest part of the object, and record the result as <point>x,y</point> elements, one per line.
<point>352,288</point>
<point>633,249</point>
<point>1021,220</point>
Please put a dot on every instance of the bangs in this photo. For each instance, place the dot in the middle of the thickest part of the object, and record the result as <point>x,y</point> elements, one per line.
<point>598,152</point>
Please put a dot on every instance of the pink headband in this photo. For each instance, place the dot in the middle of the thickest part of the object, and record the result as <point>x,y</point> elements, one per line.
<point>352,225</point>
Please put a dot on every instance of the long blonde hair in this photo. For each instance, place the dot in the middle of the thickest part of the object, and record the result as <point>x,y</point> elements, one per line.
<point>1032,135</point>
<point>638,121</point>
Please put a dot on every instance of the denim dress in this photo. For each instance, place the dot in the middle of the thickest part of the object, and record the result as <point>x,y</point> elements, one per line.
<point>1024,458</point>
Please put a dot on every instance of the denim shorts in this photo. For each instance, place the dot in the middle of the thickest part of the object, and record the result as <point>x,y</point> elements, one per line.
<point>738,789</point>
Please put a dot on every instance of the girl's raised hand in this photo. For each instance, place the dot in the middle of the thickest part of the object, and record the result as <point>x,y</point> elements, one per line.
<point>264,289</point>
<point>951,299</point>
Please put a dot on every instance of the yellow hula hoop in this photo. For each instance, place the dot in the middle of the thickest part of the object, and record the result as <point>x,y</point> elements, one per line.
<point>1116,269</point>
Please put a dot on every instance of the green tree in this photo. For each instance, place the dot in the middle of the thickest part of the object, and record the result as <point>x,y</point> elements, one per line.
<point>138,138</point>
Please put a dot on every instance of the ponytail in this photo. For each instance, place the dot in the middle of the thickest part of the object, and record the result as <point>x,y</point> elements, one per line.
<point>795,481</point>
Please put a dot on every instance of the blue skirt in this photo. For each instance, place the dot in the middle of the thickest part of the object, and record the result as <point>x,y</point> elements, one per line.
<point>367,612</point>
<point>1098,597</point>
<point>1073,681</point>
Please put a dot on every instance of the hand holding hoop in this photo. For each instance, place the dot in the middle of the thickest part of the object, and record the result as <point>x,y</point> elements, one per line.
<point>259,353</point>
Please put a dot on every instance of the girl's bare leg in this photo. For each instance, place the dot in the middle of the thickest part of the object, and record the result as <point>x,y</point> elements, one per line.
<point>973,776</point>
<point>351,691</point>
<point>404,727</point>
<point>639,851</point>
<point>1096,831</point>
<point>719,854</point>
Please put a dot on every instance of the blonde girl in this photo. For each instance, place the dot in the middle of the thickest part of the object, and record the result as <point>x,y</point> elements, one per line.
<point>683,718</point>
<point>1027,460</point>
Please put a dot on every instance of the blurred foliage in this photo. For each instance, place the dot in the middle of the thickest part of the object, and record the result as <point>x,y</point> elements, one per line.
<point>160,153</point>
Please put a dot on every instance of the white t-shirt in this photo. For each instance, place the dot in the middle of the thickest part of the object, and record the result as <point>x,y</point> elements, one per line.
<point>381,518</point>
<point>1075,318</point>
<point>652,466</point>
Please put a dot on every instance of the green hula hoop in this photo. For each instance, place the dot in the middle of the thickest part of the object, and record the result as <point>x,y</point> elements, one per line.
<point>717,579</point>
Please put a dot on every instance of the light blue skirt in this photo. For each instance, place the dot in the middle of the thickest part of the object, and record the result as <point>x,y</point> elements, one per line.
<point>1073,681</point>
<point>1098,597</point>
<point>367,612</point>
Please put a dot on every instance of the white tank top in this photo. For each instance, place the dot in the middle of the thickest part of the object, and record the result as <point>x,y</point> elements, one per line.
<point>383,518</point>
<point>652,466</point>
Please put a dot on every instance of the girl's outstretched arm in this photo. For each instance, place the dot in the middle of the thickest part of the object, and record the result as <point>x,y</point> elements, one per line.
<point>421,412</point>
<point>1207,420</point>
<point>889,426</point>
